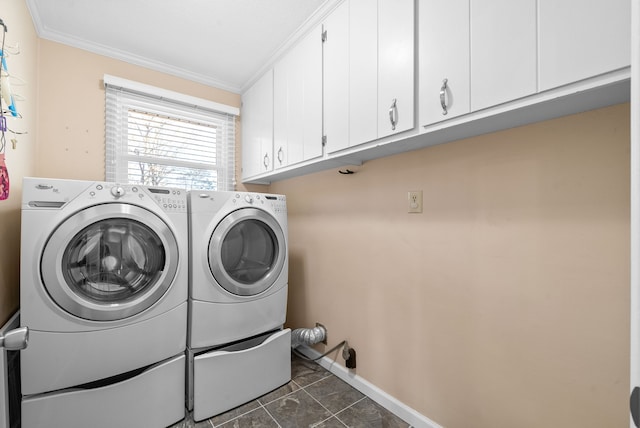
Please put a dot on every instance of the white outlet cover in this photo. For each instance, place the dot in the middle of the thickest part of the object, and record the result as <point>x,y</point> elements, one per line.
<point>414,201</point>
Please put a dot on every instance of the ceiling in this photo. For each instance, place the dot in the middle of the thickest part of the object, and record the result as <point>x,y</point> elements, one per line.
<point>221,43</point>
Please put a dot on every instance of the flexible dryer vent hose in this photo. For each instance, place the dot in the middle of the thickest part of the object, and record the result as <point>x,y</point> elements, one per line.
<point>308,336</point>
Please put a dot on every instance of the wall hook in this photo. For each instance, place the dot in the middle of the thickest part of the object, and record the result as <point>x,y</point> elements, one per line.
<point>346,172</point>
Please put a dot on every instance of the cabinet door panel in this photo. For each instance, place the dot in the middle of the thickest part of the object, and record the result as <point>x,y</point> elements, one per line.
<point>395,65</point>
<point>336,79</point>
<point>580,39</point>
<point>295,109</point>
<point>312,94</point>
<point>503,51</point>
<point>298,102</point>
<point>444,54</point>
<point>363,69</point>
<point>257,127</point>
<point>280,109</point>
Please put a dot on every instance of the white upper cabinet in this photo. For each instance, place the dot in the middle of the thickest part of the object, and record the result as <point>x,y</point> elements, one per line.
<point>396,59</point>
<point>257,127</point>
<point>363,67</point>
<point>345,92</point>
<point>368,71</point>
<point>336,78</point>
<point>443,44</point>
<point>580,39</point>
<point>503,51</point>
<point>297,90</point>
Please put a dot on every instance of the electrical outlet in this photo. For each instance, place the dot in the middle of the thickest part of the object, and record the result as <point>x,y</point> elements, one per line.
<point>350,362</point>
<point>349,355</point>
<point>415,201</point>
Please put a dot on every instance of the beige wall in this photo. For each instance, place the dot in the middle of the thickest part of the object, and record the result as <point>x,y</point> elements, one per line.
<point>71,107</point>
<point>506,302</point>
<point>21,160</point>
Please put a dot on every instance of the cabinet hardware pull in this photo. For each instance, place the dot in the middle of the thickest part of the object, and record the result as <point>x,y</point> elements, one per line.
<point>393,114</point>
<point>443,91</point>
<point>265,160</point>
<point>280,155</point>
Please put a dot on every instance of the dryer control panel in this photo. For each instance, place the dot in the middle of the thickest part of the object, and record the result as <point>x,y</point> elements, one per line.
<point>277,203</point>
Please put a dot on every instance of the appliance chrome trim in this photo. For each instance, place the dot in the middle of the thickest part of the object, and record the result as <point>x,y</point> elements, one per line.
<point>218,236</point>
<point>64,296</point>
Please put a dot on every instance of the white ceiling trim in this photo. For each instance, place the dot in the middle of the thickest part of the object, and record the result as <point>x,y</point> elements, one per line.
<point>308,25</point>
<point>110,52</point>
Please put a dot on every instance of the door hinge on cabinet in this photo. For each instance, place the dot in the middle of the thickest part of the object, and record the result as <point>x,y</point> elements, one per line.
<point>324,140</point>
<point>324,36</point>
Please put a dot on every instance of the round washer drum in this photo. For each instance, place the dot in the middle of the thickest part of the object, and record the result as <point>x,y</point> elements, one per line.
<point>109,262</point>
<point>247,252</point>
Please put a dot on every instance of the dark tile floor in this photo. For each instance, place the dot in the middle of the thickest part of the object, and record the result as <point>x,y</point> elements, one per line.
<point>313,398</point>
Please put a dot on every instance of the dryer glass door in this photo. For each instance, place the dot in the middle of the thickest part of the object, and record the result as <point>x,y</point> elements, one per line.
<point>109,263</point>
<point>247,252</point>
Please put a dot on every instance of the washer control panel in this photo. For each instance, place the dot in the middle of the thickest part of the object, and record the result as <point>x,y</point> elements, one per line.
<point>169,199</point>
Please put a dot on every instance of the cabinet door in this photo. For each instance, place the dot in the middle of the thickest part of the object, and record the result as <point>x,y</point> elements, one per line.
<point>298,102</point>
<point>281,108</point>
<point>336,79</point>
<point>580,39</point>
<point>395,66</point>
<point>312,94</point>
<point>363,68</point>
<point>443,41</point>
<point>503,51</point>
<point>257,127</point>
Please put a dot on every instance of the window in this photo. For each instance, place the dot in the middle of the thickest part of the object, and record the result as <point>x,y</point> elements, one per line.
<point>161,138</point>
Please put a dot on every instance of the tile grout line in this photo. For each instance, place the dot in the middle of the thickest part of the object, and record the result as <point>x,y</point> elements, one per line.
<point>331,414</point>
<point>300,388</point>
<point>348,407</point>
<point>269,413</point>
<point>237,417</point>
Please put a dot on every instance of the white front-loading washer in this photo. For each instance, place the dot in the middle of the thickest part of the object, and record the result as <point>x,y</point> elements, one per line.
<point>238,286</point>
<point>104,288</point>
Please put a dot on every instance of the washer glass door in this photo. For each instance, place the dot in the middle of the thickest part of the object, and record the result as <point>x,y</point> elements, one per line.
<point>247,252</point>
<point>109,263</point>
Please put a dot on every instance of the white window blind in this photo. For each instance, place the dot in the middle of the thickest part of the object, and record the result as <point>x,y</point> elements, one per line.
<point>173,141</point>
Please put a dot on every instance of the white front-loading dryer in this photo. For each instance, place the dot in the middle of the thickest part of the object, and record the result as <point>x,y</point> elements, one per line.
<point>104,288</point>
<point>239,268</point>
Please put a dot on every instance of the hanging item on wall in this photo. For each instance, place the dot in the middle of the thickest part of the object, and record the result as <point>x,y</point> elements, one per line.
<point>4,173</point>
<point>4,179</point>
<point>5,85</point>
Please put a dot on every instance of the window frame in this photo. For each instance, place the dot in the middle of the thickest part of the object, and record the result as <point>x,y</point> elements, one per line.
<point>153,100</point>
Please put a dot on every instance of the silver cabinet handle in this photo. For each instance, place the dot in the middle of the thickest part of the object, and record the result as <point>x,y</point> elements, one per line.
<point>393,114</point>
<point>265,161</point>
<point>280,155</point>
<point>443,91</point>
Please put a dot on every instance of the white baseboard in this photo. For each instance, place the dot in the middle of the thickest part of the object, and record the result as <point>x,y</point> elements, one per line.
<point>404,412</point>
